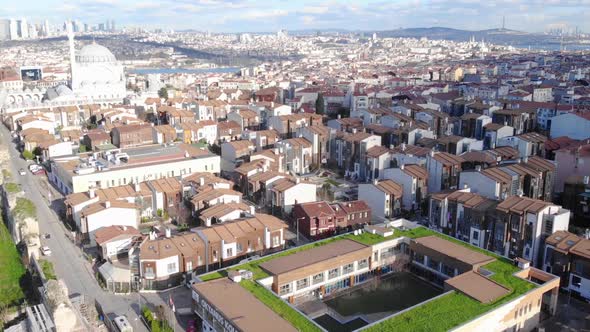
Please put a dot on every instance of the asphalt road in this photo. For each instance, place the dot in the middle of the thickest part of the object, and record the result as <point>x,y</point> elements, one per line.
<point>68,261</point>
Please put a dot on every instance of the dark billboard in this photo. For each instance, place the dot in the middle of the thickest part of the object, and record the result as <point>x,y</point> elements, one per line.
<point>31,74</point>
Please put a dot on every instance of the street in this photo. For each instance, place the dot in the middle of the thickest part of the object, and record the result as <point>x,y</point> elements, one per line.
<point>69,263</point>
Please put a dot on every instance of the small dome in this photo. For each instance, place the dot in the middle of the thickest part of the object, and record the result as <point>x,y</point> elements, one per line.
<point>95,53</point>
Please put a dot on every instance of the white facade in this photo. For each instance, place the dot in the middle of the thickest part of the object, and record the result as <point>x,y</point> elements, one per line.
<point>570,125</point>
<point>375,199</point>
<point>112,216</point>
<point>408,183</point>
<point>480,184</point>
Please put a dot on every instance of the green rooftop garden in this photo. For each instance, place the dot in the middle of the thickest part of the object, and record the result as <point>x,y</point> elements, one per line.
<point>440,314</point>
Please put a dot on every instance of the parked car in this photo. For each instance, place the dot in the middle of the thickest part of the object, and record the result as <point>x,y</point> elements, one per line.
<point>22,171</point>
<point>45,251</point>
<point>47,236</point>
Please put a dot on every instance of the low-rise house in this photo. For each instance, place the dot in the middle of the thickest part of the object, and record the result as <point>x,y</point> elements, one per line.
<point>164,134</point>
<point>350,153</point>
<point>224,212</point>
<point>515,227</point>
<point>319,219</point>
<point>199,131</point>
<point>495,132</point>
<point>346,124</point>
<point>114,241</point>
<point>443,171</point>
<point>567,255</point>
<point>248,119</point>
<point>413,179</point>
<point>287,125</point>
<point>95,138</point>
<point>167,197</point>
<point>234,153</point>
<point>132,135</point>
<point>297,155</point>
<point>104,214</point>
<point>286,192</point>
<point>228,131</point>
<point>493,183</point>
<point>383,196</point>
<point>378,159</point>
<point>210,196</point>
<point>321,138</point>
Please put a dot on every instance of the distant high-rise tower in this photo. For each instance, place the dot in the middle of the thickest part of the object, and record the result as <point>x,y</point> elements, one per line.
<point>70,33</point>
<point>4,29</point>
<point>46,31</point>
<point>113,25</point>
<point>13,29</point>
<point>23,29</point>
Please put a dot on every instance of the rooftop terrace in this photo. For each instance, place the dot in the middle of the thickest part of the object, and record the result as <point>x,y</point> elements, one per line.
<point>439,314</point>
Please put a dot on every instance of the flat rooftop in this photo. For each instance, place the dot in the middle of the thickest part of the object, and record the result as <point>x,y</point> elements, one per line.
<point>114,159</point>
<point>308,257</point>
<point>240,307</point>
<point>454,250</point>
<point>477,287</point>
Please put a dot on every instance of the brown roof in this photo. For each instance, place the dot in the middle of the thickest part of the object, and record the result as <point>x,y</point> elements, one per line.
<point>477,287</point>
<point>454,250</point>
<point>100,206</point>
<point>317,209</point>
<point>390,187</point>
<point>521,205</point>
<point>415,171</point>
<point>158,249</point>
<point>305,258</point>
<point>497,174</point>
<point>220,210</point>
<point>377,151</point>
<point>563,241</point>
<point>105,234</point>
<point>448,159</point>
<point>240,307</point>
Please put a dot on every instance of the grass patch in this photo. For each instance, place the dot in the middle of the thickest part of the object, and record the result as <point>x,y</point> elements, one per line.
<point>6,174</point>
<point>12,270</point>
<point>11,187</point>
<point>441,314</point>
<point>298,320</point>
<point>332,182</point>
<point>24,208</point>
<point>48,270</point>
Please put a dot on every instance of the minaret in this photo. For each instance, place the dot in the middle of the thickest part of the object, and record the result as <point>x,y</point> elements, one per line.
<point>70,33</point>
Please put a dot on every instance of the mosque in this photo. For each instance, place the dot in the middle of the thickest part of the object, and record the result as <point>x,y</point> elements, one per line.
<point>96,77</point>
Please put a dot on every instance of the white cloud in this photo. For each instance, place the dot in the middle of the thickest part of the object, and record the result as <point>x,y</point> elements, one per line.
<point>315,9</point>
<point>261,14</point>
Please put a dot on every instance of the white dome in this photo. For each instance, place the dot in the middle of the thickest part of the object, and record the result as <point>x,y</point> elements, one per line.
<point>95,53</point>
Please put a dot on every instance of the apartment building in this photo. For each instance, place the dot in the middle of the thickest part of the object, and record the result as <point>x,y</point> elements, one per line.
<point>383,196</point>
<point>443,171</point>
<point>414,181</point>
<point>132,135</point>
<point>350,153</point>
<point>320,219</point>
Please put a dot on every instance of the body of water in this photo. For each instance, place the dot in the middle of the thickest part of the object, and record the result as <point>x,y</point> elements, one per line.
<point>220,70</point>
<point>398,292</point>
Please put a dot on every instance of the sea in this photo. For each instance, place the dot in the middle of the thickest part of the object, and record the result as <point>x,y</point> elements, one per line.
<point>219,70</point>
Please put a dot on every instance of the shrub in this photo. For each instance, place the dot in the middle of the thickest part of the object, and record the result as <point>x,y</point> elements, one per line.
<point>28,155</point>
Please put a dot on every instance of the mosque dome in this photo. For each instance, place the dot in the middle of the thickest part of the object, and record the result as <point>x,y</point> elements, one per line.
<point>94,53</point>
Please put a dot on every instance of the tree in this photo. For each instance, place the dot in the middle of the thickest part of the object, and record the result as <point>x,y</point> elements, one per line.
<point>28,155</point>
<point>163,93</point>
<point>319,104</point>
<point>82,148</point>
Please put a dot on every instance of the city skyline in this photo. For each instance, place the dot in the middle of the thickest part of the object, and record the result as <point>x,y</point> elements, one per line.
<point>258,16</point>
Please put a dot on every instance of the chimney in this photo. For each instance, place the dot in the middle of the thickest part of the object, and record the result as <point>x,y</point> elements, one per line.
<point>168,233</point>
<point>201,181</point>
<point>375,181</point>
<point>586,180</point>
<point>107,204</point>
<point>478,168</point>
<point>525,159</point>
<point>152,235</point>
<point>137,187</point>
<point>403,146</point>
<point>92,193</point>
<point>402,166</point>
<point>252,210</point>
<point>297,180</point>
<point>124,228</point>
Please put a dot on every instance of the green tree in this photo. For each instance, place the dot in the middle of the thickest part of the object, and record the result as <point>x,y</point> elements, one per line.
<point>82,148</point>
<point>319,104</point>
<point>163,93</point>
<point>28,155</point>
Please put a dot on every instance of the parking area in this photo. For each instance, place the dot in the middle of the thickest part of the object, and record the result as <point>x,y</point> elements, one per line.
<point>572,315</point>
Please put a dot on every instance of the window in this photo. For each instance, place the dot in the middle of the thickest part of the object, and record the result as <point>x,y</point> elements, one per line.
<point>333,273</point>
<point>576,281</point>
<point>275,241</point>
<point>366,214</point>
<point>376,256</point>
<point>363,263</point>
<point>171,267</point>
<point>303,283</point>
<point>239,248</point>
<point>418,258</point>
<point>285,289</point>
<point>229,252</point>
<point>214,255</point>
<point>189,266</point>
<point>348,268</point>
<point>199,260</point>
<point>318,278</point>
<point>433,264</point>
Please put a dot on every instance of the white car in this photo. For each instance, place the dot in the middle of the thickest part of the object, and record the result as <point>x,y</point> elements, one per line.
<point>46,251</point>
<point>22,172</point>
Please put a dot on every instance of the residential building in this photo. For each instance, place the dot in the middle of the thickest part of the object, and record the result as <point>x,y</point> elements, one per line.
<point>383,196</point>
<point>443,171</point>
<point>414,181</point>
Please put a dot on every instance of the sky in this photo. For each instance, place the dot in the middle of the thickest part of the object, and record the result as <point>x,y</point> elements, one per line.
<point>269,16</point>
